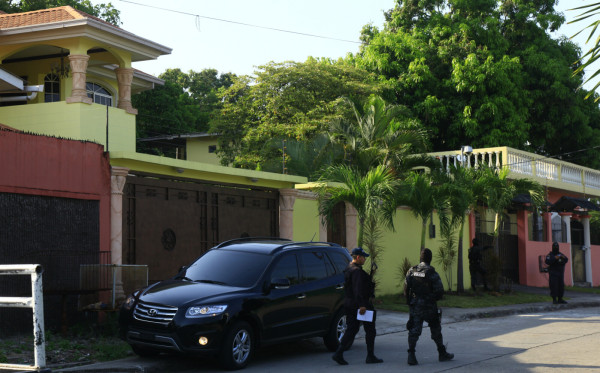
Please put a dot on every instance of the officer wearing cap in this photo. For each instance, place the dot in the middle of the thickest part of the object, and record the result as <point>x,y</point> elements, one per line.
<point>359,290</point>
<point>423,288</point>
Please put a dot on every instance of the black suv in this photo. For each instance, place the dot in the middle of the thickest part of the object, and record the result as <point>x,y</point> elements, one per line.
<point>239,295</point>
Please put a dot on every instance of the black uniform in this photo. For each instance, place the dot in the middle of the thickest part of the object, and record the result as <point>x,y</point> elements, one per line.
<point>556,262</point>
<point>423,288</point>
<point>475,267</point>
<point>359,290</point>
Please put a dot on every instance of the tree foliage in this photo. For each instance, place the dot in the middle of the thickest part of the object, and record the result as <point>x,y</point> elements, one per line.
<point>284,101</point>
<point>485,73</point>
<point>184,104</point>
<point>106,12</point>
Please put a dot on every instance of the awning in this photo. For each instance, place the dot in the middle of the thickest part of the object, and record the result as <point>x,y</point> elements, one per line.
<point>569,204</point>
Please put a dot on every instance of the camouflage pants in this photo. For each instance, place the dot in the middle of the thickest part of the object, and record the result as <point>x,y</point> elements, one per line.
<point>415,326</point>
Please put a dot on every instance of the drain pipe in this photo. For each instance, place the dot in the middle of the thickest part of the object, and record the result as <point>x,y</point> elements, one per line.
<point>34,89</point>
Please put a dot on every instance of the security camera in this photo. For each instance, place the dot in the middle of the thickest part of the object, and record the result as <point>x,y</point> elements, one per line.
<point>467,149</point>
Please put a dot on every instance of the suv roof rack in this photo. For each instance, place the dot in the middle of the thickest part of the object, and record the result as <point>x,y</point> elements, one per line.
<point>248,239</point>
<point>301,243</point>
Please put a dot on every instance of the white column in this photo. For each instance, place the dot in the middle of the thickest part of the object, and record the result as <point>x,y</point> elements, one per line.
<point>588,252</point>
<point>287,197</point>
<point>351,223</point>
<point>78,63</point>
<point>566,218</point>
<point>117,182</point>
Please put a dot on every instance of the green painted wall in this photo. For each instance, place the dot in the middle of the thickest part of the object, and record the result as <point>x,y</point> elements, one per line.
<point>197,150</point>
<point>306,221</point>
<point>74,121</point>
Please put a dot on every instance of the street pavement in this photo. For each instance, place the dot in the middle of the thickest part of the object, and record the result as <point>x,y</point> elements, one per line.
<point>532,337</point>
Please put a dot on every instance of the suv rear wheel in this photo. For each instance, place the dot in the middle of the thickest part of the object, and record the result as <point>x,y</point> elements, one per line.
<point>238,346</point>
<point>336,331</point>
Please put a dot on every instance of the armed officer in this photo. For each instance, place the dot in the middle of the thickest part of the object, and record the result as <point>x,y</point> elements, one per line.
<point>423,288</point>
<point>359,288</point>
<point>556,269</point>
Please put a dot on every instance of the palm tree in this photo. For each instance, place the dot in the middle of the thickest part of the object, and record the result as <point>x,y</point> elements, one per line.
<point>369,193</point>
<point>379,134</point>
<point>423,193</point>
<point>593,54</point>
<point>497,191</point>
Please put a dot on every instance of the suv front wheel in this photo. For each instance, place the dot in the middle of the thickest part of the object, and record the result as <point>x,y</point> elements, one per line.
<point>336,331</point>
<point>238,346</point>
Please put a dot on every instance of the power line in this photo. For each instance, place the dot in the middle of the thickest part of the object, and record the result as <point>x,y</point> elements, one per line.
<point>198,16</point>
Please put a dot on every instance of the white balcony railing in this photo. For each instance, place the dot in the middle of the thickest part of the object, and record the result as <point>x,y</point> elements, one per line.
<point>546,171</point>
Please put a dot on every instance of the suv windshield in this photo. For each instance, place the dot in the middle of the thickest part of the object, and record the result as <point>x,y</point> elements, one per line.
<point>226,267</point>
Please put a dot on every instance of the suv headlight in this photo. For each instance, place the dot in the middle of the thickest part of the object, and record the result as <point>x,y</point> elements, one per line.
<point>205,311</point>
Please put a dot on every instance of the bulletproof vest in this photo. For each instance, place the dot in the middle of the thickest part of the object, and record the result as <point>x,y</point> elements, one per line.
<point>420,284</point>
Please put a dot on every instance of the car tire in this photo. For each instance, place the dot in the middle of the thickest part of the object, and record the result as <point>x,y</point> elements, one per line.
<point>238,346</point>
<point>144,351</point>
<point>336,332</point>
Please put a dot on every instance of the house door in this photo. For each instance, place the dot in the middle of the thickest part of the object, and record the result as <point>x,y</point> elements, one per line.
<point>578,259</point>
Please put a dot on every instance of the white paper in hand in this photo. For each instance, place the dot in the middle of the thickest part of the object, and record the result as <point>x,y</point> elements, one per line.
<point>368,316</point>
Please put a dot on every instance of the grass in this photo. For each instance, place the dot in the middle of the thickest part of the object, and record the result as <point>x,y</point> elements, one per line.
<point>83,343</point>
<point>397,302</point>
<point>595,290</point>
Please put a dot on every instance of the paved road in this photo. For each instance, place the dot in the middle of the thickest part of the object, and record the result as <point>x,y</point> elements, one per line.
<point>562,340</point>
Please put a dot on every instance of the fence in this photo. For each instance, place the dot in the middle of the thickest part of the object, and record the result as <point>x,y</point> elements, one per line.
<point>36,302</point>
<point>105,286</point>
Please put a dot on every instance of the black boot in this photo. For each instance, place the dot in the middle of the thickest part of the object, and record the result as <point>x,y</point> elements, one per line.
<point>443,354</point>
<point>554,301</point>
<point>372,359</point>
<point>561,301</point>
<point>412,359</point>
<point>338,356</point>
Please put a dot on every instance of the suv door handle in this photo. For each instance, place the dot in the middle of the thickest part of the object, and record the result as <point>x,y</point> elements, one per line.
<point>301,296</point>
<point>339,286</point>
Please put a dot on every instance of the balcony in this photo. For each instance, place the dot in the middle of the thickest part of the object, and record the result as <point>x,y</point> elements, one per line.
<point>546,171</point>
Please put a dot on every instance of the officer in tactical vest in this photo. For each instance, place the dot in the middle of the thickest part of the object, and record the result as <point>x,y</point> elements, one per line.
<point>423,288</point>
<point>359,288</point>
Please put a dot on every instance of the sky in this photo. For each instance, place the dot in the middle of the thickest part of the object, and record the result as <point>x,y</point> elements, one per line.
<point>207,34</point>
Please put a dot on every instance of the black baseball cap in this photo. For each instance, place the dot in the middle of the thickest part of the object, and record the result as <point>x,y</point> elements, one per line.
<point>359,251</point>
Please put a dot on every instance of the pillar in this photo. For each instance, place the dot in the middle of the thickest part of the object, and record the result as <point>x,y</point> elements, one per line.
<point>587,244</point>
<point>351,222</point>
<point>124,78</point>
<point>287,197</point>
<point>117,183</point>
<point>78,63</point>
<point>566,218</point>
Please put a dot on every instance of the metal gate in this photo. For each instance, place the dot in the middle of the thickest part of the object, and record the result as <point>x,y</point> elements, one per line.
<point>168,223</point>
<point>58,233</point>
<point>508,246</point>
<point>578,259</point>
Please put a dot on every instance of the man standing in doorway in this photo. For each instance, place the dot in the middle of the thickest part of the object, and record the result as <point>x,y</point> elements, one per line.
<point>556,262</point>
<point>475,266</point>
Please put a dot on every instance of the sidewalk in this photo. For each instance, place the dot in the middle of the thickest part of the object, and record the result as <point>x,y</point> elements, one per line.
<point>387,322</point>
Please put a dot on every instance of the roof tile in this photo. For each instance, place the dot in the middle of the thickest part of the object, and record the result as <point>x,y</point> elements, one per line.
<point>43,16</point>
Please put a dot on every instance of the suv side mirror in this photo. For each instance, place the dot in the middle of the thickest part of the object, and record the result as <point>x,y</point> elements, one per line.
<point>280,283</point>
<point>182,268</point>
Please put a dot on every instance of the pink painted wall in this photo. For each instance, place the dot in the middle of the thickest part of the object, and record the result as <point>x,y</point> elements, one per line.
<point>595,265</point>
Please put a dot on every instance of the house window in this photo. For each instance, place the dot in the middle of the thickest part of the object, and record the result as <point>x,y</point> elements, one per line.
<point>559,228</point>
<point>98,94</point>
<point>212,148</point>
<point>51,88</point>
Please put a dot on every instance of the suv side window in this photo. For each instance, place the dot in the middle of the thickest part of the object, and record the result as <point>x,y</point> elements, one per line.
<point>314,266</point>
<point>340,261</point>
<point>287,267</point>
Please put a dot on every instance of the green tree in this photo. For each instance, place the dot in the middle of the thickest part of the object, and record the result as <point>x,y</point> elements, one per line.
<point>424,194</point>
<point>184,104</point>
<point>378,133</point>
<point>106,12</point>
<point>284,101</point>
<point>370,193</point>
<point>484,73</point>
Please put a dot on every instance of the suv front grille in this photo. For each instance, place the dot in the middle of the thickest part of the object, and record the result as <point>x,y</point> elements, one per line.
<point>154,313</point>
